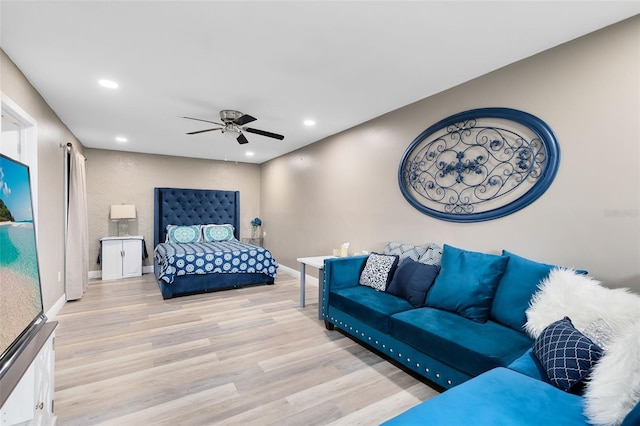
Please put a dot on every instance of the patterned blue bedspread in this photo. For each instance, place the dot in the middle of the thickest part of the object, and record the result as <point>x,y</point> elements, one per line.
<point>226,257</point>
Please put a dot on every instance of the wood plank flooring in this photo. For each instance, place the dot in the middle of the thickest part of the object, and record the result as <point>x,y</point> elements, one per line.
<point>125,356</point>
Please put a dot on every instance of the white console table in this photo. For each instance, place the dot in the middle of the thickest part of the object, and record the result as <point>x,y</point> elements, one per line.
<point>316,262</point>
<point>27,387</point>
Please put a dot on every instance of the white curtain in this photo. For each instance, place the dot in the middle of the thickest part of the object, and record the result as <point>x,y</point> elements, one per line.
<point>77,244</point>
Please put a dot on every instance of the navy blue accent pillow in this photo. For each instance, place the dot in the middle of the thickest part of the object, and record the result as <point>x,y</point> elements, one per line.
<point>412,280</point>
<point>566,354</point>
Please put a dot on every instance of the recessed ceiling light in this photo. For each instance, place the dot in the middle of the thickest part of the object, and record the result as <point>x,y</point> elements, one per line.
<point>309,123</point>
<point>249,154</point>
<point>108,84</point>
<point>121,139</point>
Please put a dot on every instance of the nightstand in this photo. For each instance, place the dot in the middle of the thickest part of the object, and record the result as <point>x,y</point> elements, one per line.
<point>254,241</point>
<point>121,257</point>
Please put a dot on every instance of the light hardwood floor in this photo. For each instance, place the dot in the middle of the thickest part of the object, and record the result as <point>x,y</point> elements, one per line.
<point>125,356</point>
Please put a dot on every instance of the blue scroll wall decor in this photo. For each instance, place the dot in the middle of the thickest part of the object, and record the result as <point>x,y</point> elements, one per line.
<point>479,165</point>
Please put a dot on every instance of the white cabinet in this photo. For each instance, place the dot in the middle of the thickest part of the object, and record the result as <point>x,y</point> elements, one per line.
<point>31,400</point>
<point>121,257</point>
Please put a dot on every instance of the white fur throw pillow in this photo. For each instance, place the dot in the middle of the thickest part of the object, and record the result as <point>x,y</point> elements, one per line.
<point>614,385</point>
<point>580,297</point>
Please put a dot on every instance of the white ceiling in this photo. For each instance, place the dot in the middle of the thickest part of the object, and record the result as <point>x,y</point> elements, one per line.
<point>339,63</point>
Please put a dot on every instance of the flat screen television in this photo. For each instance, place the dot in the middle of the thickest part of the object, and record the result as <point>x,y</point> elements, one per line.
<point>21,308</point>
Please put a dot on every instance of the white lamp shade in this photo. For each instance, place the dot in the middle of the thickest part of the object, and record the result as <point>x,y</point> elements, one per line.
<point>122,212</point>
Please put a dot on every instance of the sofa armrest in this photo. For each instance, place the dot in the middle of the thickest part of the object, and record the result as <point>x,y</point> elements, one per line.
<point>528,365</point>
<point>340,272</point>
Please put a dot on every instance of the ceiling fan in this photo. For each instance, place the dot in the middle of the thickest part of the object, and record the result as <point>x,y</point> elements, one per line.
<point>234,121</point>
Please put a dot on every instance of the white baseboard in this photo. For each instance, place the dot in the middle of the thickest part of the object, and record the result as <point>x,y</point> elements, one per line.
<point>309,280</point>
<point>98,274</point>
<point>55,309</point>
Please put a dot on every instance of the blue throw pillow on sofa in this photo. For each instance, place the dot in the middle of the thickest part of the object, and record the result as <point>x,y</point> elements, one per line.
<point>467,282</point>
<point>412,280</point>
<point>517,285</point>
<point>566,354</point>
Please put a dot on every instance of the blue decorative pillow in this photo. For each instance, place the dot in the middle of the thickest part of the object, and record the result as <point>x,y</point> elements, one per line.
<point>566,354</point>
<point>412,280</point>
<point>467,282</point>
<point>378,271</point>
<point>517,285</point>
<point>183,234</point>
<point>213,233</point>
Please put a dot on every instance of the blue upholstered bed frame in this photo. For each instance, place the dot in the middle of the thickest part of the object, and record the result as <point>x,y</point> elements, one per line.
<point>178,206</point>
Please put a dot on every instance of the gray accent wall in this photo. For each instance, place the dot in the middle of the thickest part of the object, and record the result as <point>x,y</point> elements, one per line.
<point>344,188</point>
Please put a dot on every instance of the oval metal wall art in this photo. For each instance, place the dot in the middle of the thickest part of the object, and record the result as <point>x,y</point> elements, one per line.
<point>479,165</point>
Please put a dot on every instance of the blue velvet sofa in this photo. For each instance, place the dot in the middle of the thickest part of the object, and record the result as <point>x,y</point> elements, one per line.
<point>470,322</point>
<point>519,395</point>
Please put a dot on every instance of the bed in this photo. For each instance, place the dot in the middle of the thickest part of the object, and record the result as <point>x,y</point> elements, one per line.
<point>183,269</point>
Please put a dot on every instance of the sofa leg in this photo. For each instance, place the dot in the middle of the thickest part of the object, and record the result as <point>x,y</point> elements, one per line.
<point>328,325</point>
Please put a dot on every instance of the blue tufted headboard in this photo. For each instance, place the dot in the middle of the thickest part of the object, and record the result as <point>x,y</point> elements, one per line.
<point>178,206</point>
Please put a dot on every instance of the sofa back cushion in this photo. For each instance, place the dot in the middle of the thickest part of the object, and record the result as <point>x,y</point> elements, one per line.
<point>467,282</point>
<point>412,280</point>
<point>517,285</point>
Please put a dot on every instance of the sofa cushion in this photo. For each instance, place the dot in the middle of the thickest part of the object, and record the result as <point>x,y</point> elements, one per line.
<point>498,397</point>
<point>529,365</point>
<point>372,307</point>
<point>566,354</point>
<point>467,282</point>
<point>378,271</point>
<point>468,346</point>
<point>517,285</point>
<point>412,280</point>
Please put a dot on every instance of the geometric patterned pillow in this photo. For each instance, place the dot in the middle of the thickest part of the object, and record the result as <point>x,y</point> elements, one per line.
<point>566,354</point>
<point>378,271</point>
<point>213,233</point>
<point>183,234</point>
<point>432,256</point>
<point>405,250</point>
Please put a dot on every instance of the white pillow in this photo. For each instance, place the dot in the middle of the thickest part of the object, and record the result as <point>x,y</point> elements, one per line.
<point>583,299</point>
<point>614,385</point>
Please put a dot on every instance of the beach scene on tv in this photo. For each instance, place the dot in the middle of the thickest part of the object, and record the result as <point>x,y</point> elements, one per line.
<point>21,300</point>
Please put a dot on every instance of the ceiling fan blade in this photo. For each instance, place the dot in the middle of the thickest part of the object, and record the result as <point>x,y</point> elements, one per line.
<point>206,121</point>
<point>202,131</point>
<point>244,119</point>
<point>264,133</point>
<point>241,139</point>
